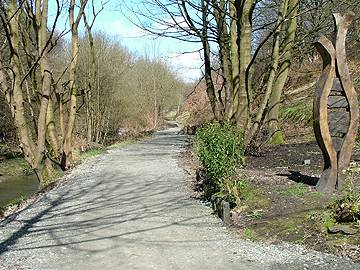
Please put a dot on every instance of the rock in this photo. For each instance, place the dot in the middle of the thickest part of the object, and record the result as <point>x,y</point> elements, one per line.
<point>201,179</point>
<point>344,212</point>
<point>307,162</point>
<point>190,130</point>
<point>225,212</point>
<point>345,229</point>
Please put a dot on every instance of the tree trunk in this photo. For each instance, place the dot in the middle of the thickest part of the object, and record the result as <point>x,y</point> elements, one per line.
<point>20,121</point>
<point>275,98</point>
<point>273,69</point>
<point>155,122</point>
<point>89,122</point>
<point>234,50</point>
<point>6,88</point>
<point>224,55</point>
<point>210,88</point>
<point>66,158</point>
<point>59,97</point>
<point>52,132</point>
<point>92,81</point>
<point>41,18</point>
<point>244,12</point>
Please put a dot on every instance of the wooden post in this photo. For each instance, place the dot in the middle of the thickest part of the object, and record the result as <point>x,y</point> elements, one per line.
<point>336,111</point>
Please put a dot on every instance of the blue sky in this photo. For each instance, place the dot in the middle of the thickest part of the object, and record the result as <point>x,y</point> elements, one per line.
<point>113,20</point>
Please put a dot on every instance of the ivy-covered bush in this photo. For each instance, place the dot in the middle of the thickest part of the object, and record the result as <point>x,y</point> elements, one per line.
<point>220,148</point>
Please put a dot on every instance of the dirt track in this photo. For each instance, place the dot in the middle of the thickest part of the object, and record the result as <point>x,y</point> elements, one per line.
<point>131,209</point>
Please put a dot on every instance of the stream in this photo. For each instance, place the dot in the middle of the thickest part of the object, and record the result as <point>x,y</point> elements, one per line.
<point>15,187</point>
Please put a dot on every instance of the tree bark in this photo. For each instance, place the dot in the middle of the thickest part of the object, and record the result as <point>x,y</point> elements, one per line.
<point>66,158</point>
<point>23,131</point>
<point>273,70</point>
<point>51,131</point>
<point>244,13</point>
<point>234,52</point>
<point>41,18</point>
<point>275,98</point>
<point>224,55</point>
<point>210,88</point>
<point>92,82</point>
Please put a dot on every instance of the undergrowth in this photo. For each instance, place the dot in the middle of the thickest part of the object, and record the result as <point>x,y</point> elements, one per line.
<point>233,191</point>
<point>48,180</point>
<point>220,148</point>
<point>346,207</point>
<point>300,113</point>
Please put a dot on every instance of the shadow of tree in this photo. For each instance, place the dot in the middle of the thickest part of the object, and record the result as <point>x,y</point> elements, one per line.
<point>298,177</point>
<point>133,195</point>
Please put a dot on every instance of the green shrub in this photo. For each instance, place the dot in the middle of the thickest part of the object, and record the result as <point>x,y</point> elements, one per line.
<point>220,148</point>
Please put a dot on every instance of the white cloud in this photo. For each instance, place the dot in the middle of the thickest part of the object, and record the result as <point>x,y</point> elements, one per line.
<point>123,30</point>
<point>186,65</point>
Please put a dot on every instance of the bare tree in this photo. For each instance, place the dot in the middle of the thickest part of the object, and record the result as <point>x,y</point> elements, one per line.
<point>29,49</point>
<point>74,21</point>
<point>227,26</point>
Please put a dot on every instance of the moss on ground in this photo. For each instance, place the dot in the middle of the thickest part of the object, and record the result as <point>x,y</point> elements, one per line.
<point>48,180</point>
<point>299,189</point>
<point>292,228</point>
<point>309,228</point>
<point>91,153</point>
<point>129,141</point>
<point>277,138</point>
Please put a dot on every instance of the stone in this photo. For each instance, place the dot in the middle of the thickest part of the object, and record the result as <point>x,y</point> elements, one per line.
<point>344,229</point>
<point>337,102</point>
<point>225,207</point>
<point>307,162</point>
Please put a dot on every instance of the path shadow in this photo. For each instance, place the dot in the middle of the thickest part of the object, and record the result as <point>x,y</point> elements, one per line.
<point>298,177</point>
<point>109,205</point>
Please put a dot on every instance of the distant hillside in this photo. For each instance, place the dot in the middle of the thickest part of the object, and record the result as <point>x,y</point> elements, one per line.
<point>196,109</point>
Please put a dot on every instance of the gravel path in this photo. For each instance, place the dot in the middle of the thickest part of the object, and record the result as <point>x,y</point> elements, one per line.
<point>131,209</point>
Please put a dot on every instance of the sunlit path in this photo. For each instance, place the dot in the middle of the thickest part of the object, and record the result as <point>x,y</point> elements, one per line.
<point>131,209</point>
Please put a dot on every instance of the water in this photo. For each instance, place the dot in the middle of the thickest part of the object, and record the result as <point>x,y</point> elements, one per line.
<point>15,187</point>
